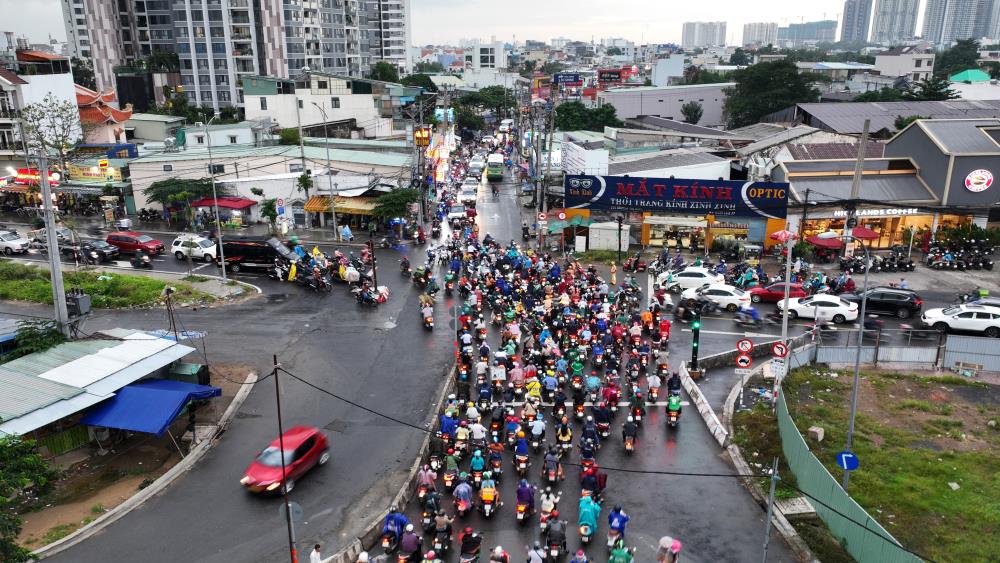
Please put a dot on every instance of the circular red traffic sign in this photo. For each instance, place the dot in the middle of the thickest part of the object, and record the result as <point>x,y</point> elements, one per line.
<point>744,361</point>
<point>744,345</point>
<point>542,216</point>
<point>779,350</point>
<point>561,215</point>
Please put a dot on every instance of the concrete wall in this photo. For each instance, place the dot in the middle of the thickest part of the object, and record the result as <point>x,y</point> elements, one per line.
<point>667,71</point>
<point>958,194</point>
<point>219,137</point>
<point>281,108</point>
<point>667,102</point>
<point>905,65</point>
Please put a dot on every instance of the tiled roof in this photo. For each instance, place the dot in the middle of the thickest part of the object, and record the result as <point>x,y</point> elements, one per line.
<point>9,76</point>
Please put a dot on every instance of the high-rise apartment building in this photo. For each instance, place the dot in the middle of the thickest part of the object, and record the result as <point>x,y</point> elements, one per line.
<point>798,34</point>
<point>949,20</point>
<point>895,20</point>
<point>857,17</point>
<point>760,34</point>
<point>703,34</point>
<point>219,41</point>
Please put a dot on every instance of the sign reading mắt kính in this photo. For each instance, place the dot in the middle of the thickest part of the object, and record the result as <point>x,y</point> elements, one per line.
<point>722,198</point>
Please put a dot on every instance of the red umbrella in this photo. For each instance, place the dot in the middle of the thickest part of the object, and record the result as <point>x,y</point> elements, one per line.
<point>783,236</point>
<point>864,233</point>
<point>831,243</point>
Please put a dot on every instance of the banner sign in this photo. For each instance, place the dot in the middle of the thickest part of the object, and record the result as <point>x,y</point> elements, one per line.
<point>723,198</point>
<point>566,78</point>
<point>610,75</point>
<point>95,173</point>
<point>31,177</point>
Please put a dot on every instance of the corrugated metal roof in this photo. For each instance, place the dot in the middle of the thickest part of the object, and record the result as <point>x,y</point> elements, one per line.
<point>25,393</point>
<point>672,160</point>
<point>849,117</point>
<point>662,123</point>
<point>776,139</point>
<point>40,362</point>
<point>894,188</point>
<point>757,131</point>
<point>814,151</point>
<point>962,136</point>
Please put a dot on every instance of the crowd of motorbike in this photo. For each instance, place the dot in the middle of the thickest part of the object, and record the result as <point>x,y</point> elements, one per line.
<point>318,270</point>
<point>573,351</point>
<point>961,256</point>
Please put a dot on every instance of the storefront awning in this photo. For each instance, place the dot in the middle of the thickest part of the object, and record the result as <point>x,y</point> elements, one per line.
<point>148,406</point>
<point>674,221</point>
<point>864,233</point>
<point>354,205</point>
<point>14,189</point>
<point>317,204</point>
<point>225,202</point>
<point>831,243</point>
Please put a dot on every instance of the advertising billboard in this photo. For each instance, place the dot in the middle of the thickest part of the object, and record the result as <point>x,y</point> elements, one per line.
<point>566,78</point>
<point>610,76</point>
<point>722,198</point>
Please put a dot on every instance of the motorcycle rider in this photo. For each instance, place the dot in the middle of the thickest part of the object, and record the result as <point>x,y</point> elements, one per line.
<point>477,462</point>
<point>589,431</point>
<point>526,495</point>
<point>537,427</point>
<point>674,404</point>
<point>499,555</point>
<point>442,523</point>
<point>471,541</point>
<point>552,462</point>
<point>590,511</point>
<point>395,523</point>
<point>674,384</point>
<point>630,429</point>
<point>463,491</point>
<point>536,554</point>
<point>620,553</point>
<point>548,500</point>
<point>617,520</point>
<point>410,542</point>
<point>426,477</point>
<point>580,557</point>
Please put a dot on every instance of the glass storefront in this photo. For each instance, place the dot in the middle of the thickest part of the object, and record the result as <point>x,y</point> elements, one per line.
<point>891,230</point>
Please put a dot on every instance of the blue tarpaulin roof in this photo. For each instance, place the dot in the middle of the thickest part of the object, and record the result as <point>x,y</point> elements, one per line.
<point>149,406</point>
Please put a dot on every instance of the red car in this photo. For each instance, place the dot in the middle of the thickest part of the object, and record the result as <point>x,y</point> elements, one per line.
<point>305,448</point>
<point>131,241</point>
<point>776,292</point>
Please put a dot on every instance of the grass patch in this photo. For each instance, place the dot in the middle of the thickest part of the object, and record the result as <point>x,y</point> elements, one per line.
<point>924,406</point>
<point>195,278</point>
<point>58,532</point>
<point>23,282</point>
<point>824,546</point>
<point>97,509</point>
<point>908,459</point>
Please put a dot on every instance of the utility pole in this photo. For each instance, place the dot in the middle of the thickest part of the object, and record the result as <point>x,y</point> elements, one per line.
<point>805,207</point>
<point>52,242</point>
<point>302,152</point>
<point>215,199</point>
<point>548,159</point>
<point>293,557</point>
<point>420,166</point>
<point>770,508</point>
<point>852,211</point>
<point>536,164</point>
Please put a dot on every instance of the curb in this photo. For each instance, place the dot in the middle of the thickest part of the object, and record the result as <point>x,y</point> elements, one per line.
<point>349,553</point>
<point>781,523</point>
<point>161,483</point>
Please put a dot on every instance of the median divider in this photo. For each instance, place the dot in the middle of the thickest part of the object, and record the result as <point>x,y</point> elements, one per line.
<point>371,535</point>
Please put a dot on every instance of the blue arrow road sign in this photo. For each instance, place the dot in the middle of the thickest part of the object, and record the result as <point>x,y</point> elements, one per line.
<point>847,461</point>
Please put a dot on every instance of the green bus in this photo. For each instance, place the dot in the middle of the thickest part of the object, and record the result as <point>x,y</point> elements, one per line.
<point>494,168</point>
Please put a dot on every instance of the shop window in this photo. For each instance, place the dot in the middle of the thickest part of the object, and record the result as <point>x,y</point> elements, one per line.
<point>168,167</point>
<point>200,139</point>
<point>335,103</point>
<point>232,139</point>
<point>263,103</point>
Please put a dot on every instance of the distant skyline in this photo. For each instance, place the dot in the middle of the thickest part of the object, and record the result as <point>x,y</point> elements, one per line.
<point>447,21</point>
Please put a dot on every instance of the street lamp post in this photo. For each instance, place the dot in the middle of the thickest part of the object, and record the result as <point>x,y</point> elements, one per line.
<point>857,355</point>
<point>620,220</point>
<point>329,171</point>
<point>215,198</point>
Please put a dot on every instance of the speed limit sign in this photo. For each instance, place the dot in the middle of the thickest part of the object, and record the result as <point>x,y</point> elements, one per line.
<point>561,215</point>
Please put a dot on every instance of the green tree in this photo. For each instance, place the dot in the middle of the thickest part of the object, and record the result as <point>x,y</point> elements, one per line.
<point>420,81</point>
<point>162,61</point>
<point>883,95</point>
<point>288,136</point>
<point>551,68</point>
<point>269,211</point>
<point>613,51</point>
<point>901,122</point>
<point>35,336</point>
<point>765,88</point>
<point>528,67</point>
<point>83,73</point>
<point>574,116</point>
<point>177,189</point>
<point>22,471</point>
<point>601,117</point>
<point>395,203</point>
<point>962,56</point>
<point>52,127</point>
<point>499,100</point>
<point>304,183</point>
<point>739,58</point>
<point>385,71</point>
<point>467,118</point>
<point>431,66</point>
<point>692,112</point>
<point>692,74</point>
<point>933,89</point>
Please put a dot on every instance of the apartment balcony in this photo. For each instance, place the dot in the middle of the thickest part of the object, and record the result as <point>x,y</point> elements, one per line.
<point>241,37</point>
<point>239,4</point>
<point>312,53</point>
<point>9,113</point>
<point>10,146</point>
<point>243,52</point>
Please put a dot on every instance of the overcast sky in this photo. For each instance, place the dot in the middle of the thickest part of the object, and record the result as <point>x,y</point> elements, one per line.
<point>447,21</point>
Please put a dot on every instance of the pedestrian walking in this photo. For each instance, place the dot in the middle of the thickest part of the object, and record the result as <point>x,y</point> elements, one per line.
<point>669,550</point>
<point>614,274</point>
<point>315,556</point>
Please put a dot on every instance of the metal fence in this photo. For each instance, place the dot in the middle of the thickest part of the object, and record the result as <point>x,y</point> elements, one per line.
<point>926,349</point>
<point>861,537</point>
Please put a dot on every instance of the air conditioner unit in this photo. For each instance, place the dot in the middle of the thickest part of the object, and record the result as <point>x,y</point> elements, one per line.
<point>199,124</point>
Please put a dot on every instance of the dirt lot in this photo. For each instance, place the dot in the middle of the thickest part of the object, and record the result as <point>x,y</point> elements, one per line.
<point>96,483</point>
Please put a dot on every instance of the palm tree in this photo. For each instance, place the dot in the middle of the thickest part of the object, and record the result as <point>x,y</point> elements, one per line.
<point>692,74</point>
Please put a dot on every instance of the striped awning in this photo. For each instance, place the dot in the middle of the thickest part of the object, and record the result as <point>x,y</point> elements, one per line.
<point>317,204</point>
<point>354,205</point>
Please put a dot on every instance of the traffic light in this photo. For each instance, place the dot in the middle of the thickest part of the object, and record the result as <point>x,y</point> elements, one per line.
<point>695,335</point>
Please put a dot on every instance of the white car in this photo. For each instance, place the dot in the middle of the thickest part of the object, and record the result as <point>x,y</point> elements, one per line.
<point>825,307</point>
<point>199,247</point>
<point>725,296</point>
<point>13,243</point>
<point>468,196</point>
<point>457,213</point>
<point>974,318</point>
<point>688,278</point>
<point>471,184</point>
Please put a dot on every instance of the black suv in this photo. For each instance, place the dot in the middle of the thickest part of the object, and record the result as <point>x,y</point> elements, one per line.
<point>903,303</point>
